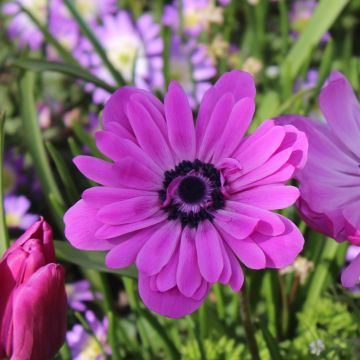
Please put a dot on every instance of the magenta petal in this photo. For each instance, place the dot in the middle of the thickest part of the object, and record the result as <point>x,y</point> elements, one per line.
<point>188,274</point>
<point>249,253</point>
<point>239,121</point>
<point>350,276</point>
<point>81,225</point>
<point>338,101</point>
<point>129,211</point>
<point>237,275</point>
<point>237,83</point>
<point>169,303</point>
<point>136,176</point>
<point>216,124</point>
<point>209,252</point>
<point>114,110</point>
<point>238,225</point>
<point>34,315</point>
<point>149,135</point>
<point>166,278</point>
<point>270,197</point>
<point>180,122</point>
<point>124,254</point>
<point>157,251</point>
<point>97,170</point>
<point>281,250</point>
<point>226,273</point>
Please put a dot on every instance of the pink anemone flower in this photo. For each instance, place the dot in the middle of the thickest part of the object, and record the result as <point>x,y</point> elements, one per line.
<point>188,204</point>
<point>329,182</point>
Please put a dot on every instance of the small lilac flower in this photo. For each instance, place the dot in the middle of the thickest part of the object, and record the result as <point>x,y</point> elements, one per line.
<point>21,26</point>
<point>309,82</point>
<point>134,48</point>
<point>189,203</point>
<point>84,346</point>
<point>351,253</point>
<point>16,212</point>
<point>78,292</point>
<point>198,15</point>
<point>329,182</point>
<point>191,65</point>
<point>300,14</point>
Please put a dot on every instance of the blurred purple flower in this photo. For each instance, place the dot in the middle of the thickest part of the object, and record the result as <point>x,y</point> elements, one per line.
<point>192,67</point>
<point>78,292</point>
<point>21,26</point>
<point>16,212</point>
<point>351,253</point>
<point>300,14</point>
<point>134,48</point>
<point>84,346</point>
<point>197,15</point>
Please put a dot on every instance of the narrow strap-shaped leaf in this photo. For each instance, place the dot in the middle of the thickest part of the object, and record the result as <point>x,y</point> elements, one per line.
<point>4,236</point>
<point>95,42</point>
<point>326,13</point>
<point>89,259</point>
<point>36,146</point>
<point>67,69</point>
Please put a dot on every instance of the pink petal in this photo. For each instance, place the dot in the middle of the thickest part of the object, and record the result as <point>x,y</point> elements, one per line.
<point>129,210</point>
<point>81,225</point>
<point>269,197</point>
<point>114,110</point>
<point>124,254</point>
<point>97,170</point>
<point>237,275</point>
<point>157,251</point>
<point>238,83</point>
<point>239,225</point>
<point>136,176</point>
<point>99,196</point>
<point>38,330</point>
<point>239,121</point>
<point>254,153</point>
<point>166,278</point>
<point>117,149</point>
<point>350,276</point>
<point>209,253</point>
<point>281,250</point>
<point>148,135</point>
<point>170,303</point>
<point>249,253</point>
<point>341,109</point>
<point>226,273</point>
<point>188,275</point>
<point>112,231</point>
<point>217,121</point>
<point>180,122</point>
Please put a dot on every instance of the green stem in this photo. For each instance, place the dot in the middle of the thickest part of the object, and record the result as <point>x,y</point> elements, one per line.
<point>248,325</point>
<point>4,236</point>
<point>321,273</point>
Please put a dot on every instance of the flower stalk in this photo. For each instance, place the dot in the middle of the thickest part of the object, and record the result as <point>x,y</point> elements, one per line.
<point>248,325</point>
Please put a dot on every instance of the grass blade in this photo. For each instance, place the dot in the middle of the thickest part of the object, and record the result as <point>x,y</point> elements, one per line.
<point>4,236</point>
<point>36,146</point>
<point>71,70</point>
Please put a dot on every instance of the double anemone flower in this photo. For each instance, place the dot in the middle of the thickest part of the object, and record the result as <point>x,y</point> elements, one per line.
<point>189,204</point>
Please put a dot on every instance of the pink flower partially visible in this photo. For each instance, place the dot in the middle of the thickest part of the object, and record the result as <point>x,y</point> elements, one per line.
<point>186,203</point>
<point>329,183</point>
<point>33,301</point>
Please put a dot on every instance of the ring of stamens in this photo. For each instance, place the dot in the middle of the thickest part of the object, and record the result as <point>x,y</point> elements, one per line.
<point>197,195</point>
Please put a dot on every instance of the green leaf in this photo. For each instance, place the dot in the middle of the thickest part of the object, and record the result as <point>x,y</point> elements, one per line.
<point>4,236</point>
<point>89,259</point>
<point>86,30</point>
<point>325,15</point>
<point>36,146</point>
<point>72,70</point>
<point>271,342</point>
<point>64,173</point>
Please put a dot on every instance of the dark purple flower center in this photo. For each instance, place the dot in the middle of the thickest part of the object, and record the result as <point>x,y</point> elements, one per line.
<point>192,189</point>
<point>191,192</point>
